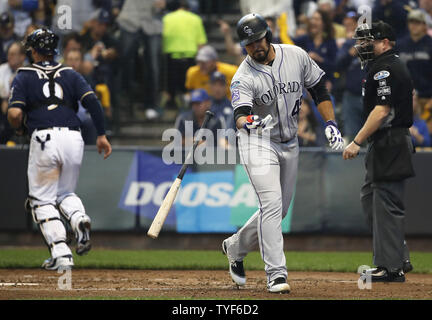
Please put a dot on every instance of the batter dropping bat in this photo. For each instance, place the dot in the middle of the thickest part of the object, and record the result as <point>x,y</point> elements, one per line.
<point>166,205</point>
<point>270,81</point>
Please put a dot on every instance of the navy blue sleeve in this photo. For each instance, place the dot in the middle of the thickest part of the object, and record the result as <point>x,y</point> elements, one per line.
<point>85,94</point>
<point>81,87</point>
<point>92,104</point>
<point>17,96</point>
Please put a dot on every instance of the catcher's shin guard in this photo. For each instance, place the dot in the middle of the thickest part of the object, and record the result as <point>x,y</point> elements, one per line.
<point>73,210</point>
<point>48,220</point>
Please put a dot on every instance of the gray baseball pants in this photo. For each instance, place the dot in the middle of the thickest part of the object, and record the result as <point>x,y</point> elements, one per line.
<point>272,170</point>
<point>383,206</point>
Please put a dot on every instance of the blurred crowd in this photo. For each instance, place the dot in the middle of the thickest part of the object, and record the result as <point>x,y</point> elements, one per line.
<point>152,56</point>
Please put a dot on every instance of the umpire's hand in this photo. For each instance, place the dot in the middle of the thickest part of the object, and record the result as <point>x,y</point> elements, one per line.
<point>351,151</point>
<point>102,143</point>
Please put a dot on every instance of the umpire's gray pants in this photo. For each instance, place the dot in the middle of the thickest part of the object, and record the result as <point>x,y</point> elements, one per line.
<point>272,170</point>
<point>385,213</point>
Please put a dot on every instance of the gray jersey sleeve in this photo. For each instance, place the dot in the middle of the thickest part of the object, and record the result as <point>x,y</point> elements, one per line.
<point>312,72</point>
<point>241,92</point>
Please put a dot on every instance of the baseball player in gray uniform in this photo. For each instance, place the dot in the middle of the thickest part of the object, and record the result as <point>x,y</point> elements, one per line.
<point>267,92</point>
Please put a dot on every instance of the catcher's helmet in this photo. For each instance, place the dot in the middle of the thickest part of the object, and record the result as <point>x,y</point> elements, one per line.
<point>44,41</point>
<point>251,28</point>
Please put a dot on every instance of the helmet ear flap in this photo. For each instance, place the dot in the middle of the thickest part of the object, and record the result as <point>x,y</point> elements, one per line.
<point>269,35</point>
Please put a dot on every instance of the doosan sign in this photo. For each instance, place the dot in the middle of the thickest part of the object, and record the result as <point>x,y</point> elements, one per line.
<point>193,194</point>
<point>207,201</point>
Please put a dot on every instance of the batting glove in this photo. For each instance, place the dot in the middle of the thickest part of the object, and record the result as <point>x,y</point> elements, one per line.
<point>255,122</point>
<point>333,135</point>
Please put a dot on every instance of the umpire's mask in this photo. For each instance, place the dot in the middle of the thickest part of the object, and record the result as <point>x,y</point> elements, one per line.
<point>364,44</point>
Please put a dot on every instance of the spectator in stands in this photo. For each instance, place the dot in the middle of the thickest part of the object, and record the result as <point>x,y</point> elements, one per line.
<point>350,23</point>
<point>99,45</point>
<point>72,41</point>
<point>274,9</point>
<point>7,34</point>
<point>183,34</point>
<point>416,51</point>
<point>140,23</point>
<point>200,102</point>
<point>198,76</point>
<point>73,58</point>
<point>15,59</point>
<point>426,7</point>
<point>220,104</point>
<point>394,13</point>
<point>329,7</point>
<point>348,65</point>
<point>309,131</point>
<point>43,14</point>
<point>419,130</point>
<point>22,11</point>
<point>232,48</point>
<point>101,49</point>
<point>272,23</point>
<point>320,44</point>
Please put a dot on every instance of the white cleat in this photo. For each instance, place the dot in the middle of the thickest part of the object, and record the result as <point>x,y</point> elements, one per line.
<point>83,236</point>
<point>279,285</point>
<point>60,263</point>
<point>236,268</point>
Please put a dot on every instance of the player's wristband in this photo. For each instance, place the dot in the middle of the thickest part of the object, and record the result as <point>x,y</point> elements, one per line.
<point>331,123</point>
<point>355,142</point>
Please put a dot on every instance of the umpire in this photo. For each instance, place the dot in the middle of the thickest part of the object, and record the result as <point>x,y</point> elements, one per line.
<point>387,100</point>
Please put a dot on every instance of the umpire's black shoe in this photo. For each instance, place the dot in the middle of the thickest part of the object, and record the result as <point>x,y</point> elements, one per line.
<point>407,266</point>
<point>236,268</point>
<point>381,274</point>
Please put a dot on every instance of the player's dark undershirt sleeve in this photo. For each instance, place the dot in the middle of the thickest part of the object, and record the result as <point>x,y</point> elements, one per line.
<point>242,111</point>
<point>319,92</point>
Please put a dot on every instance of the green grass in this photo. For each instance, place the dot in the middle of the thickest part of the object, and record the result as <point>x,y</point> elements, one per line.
<point>203,260</point>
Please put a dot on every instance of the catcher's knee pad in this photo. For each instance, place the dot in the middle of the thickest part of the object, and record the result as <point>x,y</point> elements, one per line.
<point>48,220</point>
<point>73,210</point>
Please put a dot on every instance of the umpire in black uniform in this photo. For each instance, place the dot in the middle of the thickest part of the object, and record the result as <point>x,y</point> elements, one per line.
<point>387,98</point>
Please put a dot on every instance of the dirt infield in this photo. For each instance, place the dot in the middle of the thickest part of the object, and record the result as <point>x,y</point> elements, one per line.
<point>39,284</point>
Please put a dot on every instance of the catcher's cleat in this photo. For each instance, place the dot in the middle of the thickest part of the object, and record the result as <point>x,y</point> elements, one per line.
<point>62,263</point>
<point>236,268</point>
<point>83,236</point>
<point>279,285</point>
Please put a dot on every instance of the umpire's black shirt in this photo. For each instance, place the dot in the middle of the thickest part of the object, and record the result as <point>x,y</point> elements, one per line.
<point>388,82</point>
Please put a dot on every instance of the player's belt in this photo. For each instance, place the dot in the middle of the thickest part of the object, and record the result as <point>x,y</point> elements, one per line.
<point>59,128</point>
